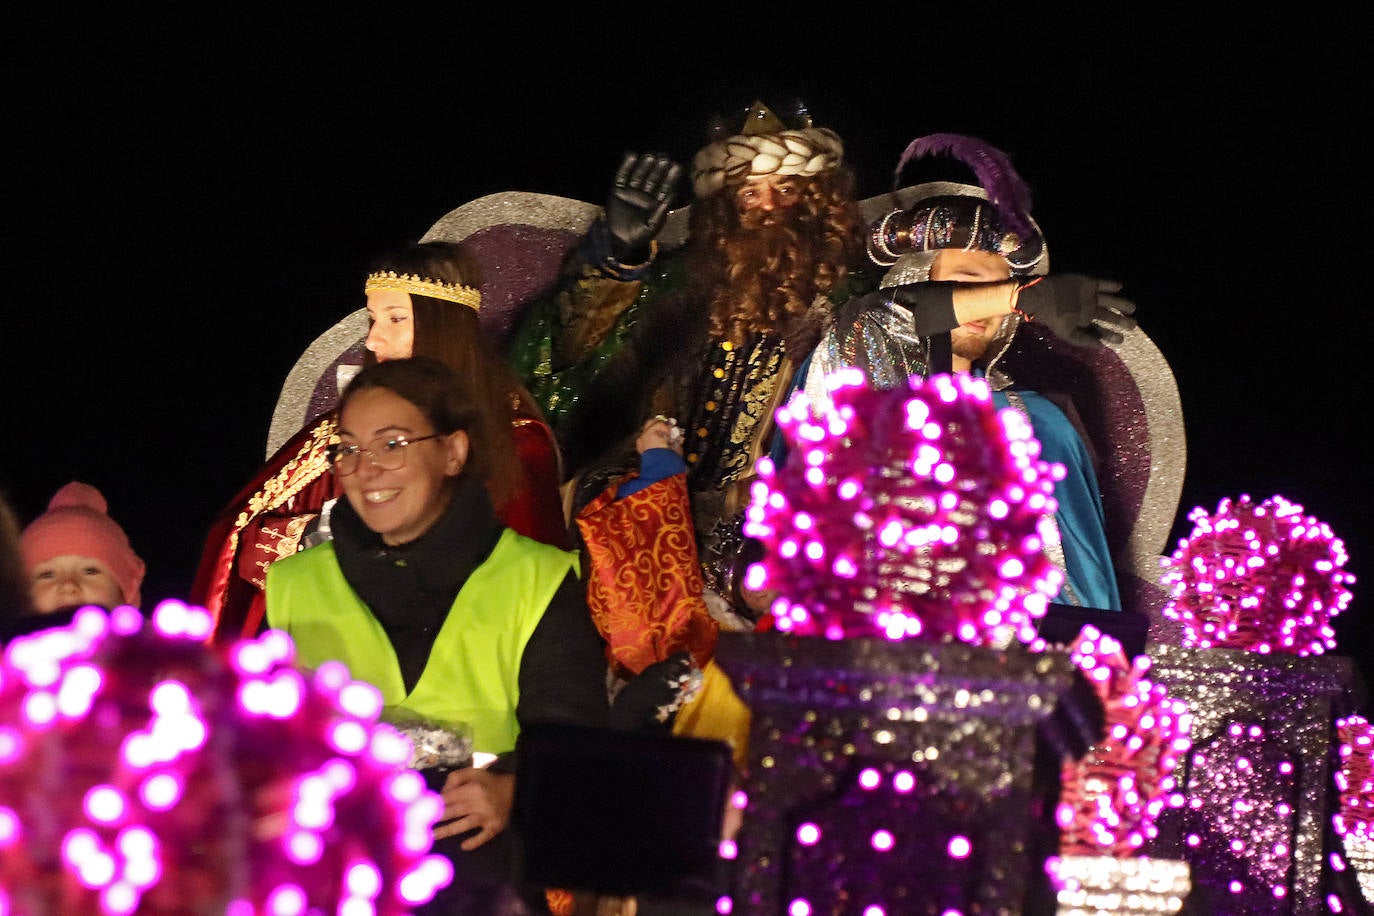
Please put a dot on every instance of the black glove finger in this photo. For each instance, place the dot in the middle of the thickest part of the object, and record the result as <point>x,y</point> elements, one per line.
<point>1117,304</point>
<point>1107,335</point>
<point>622,174</point>
<point>1083,337</point>
<point>1108,286</point>
<point>664,179</point>
<point>643,167</point>
<point>653,183</point>
<point>670,181</point>
<point>1115,321</point>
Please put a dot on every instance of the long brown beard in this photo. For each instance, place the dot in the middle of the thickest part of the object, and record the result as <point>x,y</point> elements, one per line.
<point>771,272</point>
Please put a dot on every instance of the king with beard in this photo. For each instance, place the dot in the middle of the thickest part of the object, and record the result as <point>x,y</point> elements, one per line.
<point>711,334</point>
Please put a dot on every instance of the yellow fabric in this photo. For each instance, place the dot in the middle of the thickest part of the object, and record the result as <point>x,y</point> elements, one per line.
<point>717,713</point>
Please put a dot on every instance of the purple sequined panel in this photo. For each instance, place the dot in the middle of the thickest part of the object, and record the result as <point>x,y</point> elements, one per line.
<point>327,389</point>
<point>911,777</point>
<point>1110,406</point>
<point>1256,786</point>
<point>521,263</point>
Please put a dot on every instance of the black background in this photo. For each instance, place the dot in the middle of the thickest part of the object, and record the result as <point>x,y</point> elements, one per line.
<point>193,192</point>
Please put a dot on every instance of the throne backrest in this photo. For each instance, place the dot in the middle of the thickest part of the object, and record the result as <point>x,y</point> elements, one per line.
<point>1125,394</point>
<point>1127,399</point>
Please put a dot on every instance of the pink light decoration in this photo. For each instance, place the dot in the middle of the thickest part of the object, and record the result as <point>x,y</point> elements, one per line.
<point>1355,778</point>
<point>1147,734</point>
<point>421,883</point>
<point>9,827</point>
<point>172,783</point>
<point>160,792</point>
<point>364,881</point>
<point>1262,577</point>
<point>927,509</point>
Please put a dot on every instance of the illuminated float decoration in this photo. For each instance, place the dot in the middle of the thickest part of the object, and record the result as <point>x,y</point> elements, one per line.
<point>1264,578</point>
<point>1355,784</point>
<point>1113,795</point>
<point>142,772</point>
<point>913,512</point>
<point>1254,588</point>
<point>905,744</point>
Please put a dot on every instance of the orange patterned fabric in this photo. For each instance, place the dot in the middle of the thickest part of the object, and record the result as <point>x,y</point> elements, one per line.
<point>560,902</point>
<point>644,586</point>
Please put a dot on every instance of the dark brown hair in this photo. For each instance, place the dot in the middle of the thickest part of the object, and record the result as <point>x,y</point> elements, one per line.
<point>450,333</point>
<point>438,393</point>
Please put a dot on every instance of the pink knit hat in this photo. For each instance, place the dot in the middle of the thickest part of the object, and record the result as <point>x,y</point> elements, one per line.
<point>77,523</point>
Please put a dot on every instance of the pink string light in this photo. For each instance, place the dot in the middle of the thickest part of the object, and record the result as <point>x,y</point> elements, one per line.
<point>142,771</point>
<point>919,511</point>
<point>1264,578</point>
<point>1113,795</point>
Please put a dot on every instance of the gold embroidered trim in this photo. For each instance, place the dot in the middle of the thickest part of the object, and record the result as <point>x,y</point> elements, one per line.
<point>309,463</point>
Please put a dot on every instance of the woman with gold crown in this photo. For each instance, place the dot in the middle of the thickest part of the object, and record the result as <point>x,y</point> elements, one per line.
<point>422,300</point>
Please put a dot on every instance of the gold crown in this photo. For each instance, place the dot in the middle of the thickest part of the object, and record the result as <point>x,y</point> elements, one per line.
<point>423,286</point>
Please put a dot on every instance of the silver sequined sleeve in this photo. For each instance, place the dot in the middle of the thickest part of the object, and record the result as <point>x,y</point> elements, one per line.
<point>874,334</point>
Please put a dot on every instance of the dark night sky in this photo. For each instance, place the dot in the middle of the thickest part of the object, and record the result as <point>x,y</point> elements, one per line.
<point>192,197</point>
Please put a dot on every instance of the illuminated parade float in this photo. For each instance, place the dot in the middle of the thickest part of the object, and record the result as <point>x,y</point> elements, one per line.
<point>929,734</point>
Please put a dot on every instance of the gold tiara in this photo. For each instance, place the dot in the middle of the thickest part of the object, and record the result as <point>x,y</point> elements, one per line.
<point>422,286</point>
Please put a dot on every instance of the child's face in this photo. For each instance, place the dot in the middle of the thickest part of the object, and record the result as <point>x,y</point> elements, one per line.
<point>72,581</point>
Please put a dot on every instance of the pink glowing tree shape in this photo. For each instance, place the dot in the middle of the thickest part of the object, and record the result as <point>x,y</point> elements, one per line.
<point>1113,795</point>
<point>141,771</point>
<point>916,511</point>
<point>1262,577</point>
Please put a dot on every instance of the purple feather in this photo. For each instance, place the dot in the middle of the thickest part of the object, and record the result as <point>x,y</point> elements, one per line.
<point>1009,195</point>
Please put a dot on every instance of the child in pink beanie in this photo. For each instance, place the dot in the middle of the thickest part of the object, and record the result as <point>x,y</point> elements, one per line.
<point>76,554</point>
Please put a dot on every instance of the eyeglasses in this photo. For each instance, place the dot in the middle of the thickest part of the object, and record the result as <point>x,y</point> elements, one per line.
<point>385,452</point>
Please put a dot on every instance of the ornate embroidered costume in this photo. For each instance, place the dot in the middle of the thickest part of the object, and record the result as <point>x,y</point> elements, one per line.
<point>888,342</point>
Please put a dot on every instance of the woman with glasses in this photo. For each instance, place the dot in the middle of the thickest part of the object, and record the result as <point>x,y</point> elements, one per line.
<point>426,595</point>
<point>422,300</point>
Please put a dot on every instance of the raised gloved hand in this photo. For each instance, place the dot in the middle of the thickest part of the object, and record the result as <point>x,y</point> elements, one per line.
<point>638,204</point>
<point>1082,310</point>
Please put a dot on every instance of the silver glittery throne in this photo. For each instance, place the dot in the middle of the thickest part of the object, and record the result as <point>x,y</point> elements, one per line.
<point>1125,394</point>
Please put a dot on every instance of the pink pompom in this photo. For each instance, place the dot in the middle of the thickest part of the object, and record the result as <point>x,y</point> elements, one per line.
<point>915,511</point>
<point>78,495</point>
<point>1264,578</point>
<point>1113,795</point>
<point>141,771</point>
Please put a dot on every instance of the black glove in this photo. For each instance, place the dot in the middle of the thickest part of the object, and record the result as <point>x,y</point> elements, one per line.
<point>638,703</point>
<point>638,204</point>
<point>1081,310</point>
